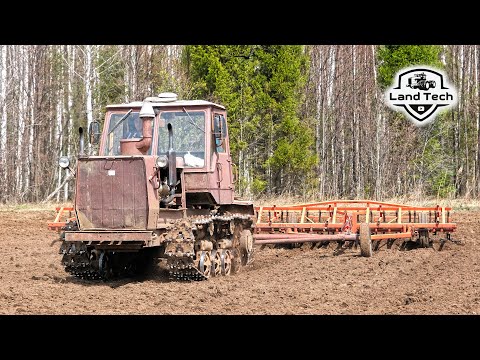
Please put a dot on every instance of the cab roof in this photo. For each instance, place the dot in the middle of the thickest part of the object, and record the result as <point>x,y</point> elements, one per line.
<point>167,104</point>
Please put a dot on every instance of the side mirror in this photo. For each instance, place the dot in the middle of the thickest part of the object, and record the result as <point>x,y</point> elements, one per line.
<point>219,127</point>
<point>219,131</point>
<point>94,132</point>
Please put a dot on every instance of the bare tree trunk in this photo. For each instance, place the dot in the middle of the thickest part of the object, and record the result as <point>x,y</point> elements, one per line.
<point>57,190</point>
<point>88,87</point>
<point>477,117</point>
<point>126,75</point>
<point>356,130</point>
<point>380,122</point>
<point>60,141</point>
<point>456,130</point>
<point>23,66</point>
<point>70,53</point>
<point>270,154</point>
<point>3,119</point>
<point>34,58</point>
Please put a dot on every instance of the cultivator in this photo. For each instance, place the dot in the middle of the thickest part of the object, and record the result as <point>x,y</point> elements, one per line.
<point>369,224</point>
<point>61,219</point>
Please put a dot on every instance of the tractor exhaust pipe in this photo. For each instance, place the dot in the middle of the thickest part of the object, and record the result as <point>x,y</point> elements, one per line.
<point>81,150</point>
<point>140,147</point>
<point>172,166</point>
<point>146,114</point>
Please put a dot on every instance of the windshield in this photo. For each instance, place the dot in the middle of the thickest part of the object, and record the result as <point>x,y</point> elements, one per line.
<point>130,128</point>
<point>188,136</point>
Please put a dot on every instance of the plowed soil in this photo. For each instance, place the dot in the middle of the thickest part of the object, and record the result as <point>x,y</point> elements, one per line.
<point>279,281</point>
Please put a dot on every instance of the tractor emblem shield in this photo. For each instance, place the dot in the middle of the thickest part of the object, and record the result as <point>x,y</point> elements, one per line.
<point>420,92</point>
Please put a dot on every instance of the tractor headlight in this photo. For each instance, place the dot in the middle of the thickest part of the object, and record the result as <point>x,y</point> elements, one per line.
<point>63,162</point>
<point>162,161</point>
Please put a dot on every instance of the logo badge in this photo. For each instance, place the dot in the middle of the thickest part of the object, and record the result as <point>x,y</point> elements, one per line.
<point>420,93</point>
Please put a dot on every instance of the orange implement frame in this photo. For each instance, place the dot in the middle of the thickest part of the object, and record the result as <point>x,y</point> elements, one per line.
<point>61,218</point>
<point>343,217</point>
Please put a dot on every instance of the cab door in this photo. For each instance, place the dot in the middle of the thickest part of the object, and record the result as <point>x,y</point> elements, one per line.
<point>222,159</point>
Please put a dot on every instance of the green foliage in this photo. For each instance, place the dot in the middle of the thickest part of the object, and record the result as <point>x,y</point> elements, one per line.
<point>111,86</point>
<point>435,170</point>
<point>261,88</point>
<point>392,58</point>
<point>258,186</point>
<point>293,151</point>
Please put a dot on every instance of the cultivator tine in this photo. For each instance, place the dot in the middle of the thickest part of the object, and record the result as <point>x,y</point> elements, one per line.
<point>442,244</point>
<point>340,249</point>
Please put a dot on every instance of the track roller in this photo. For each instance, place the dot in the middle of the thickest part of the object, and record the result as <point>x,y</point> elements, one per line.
<point>226,262</point>
<point>216,263</point>
<point>204,263</point>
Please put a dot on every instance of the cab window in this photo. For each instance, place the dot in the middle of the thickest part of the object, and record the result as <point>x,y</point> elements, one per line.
<point>130,127</point>
<point>188,135</point>
<point>219,132</point>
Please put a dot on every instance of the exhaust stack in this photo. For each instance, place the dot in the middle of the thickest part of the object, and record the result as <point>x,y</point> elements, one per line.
<point>140,147</point>
<point>172,166</point>
<point>81,150</point>
<point>146,114</point>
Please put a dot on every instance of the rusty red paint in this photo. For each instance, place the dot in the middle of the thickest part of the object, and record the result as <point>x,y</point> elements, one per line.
<point>261,239</point>
<point>142,236</point>
<point>111,193</point>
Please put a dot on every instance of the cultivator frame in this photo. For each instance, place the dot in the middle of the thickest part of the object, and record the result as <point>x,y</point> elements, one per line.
<point>61,218</point>
<point>343,220</point>
<point>347,222</point>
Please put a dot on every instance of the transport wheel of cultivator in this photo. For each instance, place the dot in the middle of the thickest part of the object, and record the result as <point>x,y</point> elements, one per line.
<point>423,239</point>
<point>365,240</point>
<point>423,235</point>
<point>246,247</point>
<point>235,260</point>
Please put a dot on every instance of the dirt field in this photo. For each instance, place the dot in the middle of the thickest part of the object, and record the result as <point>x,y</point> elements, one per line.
<point>279,281</point>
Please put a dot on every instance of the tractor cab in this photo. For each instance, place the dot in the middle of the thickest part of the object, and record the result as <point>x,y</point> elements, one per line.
<point>185,141</point>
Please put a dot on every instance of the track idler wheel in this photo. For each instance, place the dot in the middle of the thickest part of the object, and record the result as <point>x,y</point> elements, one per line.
<point>365,240</point>
<point>104,267</point>
<point>246,247</point>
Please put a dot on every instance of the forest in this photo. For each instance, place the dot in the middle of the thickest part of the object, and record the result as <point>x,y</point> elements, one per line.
<point>307,120</point>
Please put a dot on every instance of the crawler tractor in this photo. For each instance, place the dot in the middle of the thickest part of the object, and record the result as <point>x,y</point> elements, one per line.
<point>168,195</point>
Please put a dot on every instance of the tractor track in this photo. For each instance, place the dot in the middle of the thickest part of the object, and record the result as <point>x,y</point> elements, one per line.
<point>196,249</point>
